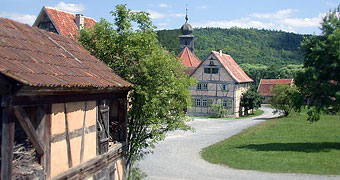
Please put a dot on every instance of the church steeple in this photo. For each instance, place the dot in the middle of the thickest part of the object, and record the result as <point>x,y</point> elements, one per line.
<point>186,39</point>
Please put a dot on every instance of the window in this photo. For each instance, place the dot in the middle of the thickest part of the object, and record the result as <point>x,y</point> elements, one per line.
<point>211,70</point>
<point>205,86</point>
<point>224,87</point>
<point>204,103</point>
<point>199,86</point>
<point>198,102</point>
<point>214,70</point>
<point>211,63</point>
<point>226,104</point>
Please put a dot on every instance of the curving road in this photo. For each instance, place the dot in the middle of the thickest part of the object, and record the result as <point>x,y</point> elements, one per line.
<point>178,157</point>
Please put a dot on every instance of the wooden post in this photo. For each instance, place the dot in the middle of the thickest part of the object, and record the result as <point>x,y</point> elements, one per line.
<point>8,127</point>
<point>47,142</point>
<point>123,119</point>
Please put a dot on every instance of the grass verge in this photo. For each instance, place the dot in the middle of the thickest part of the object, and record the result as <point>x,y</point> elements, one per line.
<point>256,113</point>
<point>289,145</point>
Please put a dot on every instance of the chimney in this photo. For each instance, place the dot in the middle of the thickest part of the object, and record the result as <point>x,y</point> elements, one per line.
<point>80,21</point>
<point>220,51</point>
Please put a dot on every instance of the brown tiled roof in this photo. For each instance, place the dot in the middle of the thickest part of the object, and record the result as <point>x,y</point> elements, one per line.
<point>189,59</point>
<point>64,21</point>
<point>232,67</point>
<point>38,58</point>
<point>189,70</point>
<point>266,85</point>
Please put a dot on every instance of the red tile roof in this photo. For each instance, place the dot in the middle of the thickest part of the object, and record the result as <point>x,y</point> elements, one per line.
<point>38,58</point>
<point>189,59</point>
<point>64,22</point>
<point>232,67</point>
<point>266,85</point>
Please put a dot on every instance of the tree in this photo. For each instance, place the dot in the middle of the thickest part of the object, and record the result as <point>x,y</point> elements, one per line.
<point>160,91</point>
<point>285,98</point>
<point>320,81</point>
<point>251,99</point>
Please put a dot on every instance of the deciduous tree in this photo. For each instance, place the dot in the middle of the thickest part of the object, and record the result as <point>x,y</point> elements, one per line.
<point>320,83</point>
<point>160,91</point>
<point>251,99</point>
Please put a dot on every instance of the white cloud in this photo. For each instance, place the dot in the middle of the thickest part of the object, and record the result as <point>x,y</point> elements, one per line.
<point>163,5</point>
<point>178,15</point>
<point>243,23</point>
<point>202,7</point>
<point>285,13</point>
<point>23,18</point>
<point>70,7</point>
<point>158,15</point>
<point>155,14</point>
<point>163,24</point>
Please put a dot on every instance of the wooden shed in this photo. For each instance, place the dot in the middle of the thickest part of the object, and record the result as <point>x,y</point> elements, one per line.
<point>70,105</point>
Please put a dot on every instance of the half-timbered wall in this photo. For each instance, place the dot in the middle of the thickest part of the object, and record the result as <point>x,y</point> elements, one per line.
<point>67,126</point>
<point>215,86</point>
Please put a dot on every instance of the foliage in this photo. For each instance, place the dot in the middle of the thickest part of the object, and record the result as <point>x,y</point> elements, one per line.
<point>250,46</point>
<point>286,145</point>
<point>320,81</point>
<point>260,71</point>
<point>285,98</point>
<point>136,174</point>
<point>251,99</point>
<point>160,91</point>
<point>217,110</point>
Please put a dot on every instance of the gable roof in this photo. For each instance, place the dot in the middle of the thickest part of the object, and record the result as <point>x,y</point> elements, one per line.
<point>64,22</point>
<point>266,85</point>
<point>189,59</point>
<point>38,58</point>
<point>232,67</point>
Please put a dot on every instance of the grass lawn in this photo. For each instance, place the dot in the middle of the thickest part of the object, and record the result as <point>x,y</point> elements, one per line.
<point>289,144</point>
<point>256,113</point>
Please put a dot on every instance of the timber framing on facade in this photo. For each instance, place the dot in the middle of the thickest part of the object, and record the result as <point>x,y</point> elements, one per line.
<point>70,105</point>
<point>220,81</point>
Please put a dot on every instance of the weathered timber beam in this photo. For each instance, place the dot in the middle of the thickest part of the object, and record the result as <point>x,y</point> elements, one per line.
<point>8,125</point>
<point>92,166</point>
<point>29,129</point>
<point>51,99</point>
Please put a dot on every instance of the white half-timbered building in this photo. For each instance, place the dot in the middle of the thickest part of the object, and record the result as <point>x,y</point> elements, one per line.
<point>220,81</point>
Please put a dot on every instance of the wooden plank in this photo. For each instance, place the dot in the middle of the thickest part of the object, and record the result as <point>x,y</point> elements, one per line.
<point>92,166</point>
<point>83,134</point>
<point>29,130</point>
<point>8,127</point>
<point>68,143</point>
<point>47,136</point>
<point>40,100</point>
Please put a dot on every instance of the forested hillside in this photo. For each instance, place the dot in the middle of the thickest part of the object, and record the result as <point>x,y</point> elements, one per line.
<point>251,46</point>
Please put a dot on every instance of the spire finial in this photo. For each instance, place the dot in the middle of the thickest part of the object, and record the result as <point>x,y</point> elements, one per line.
<point>186,13</point>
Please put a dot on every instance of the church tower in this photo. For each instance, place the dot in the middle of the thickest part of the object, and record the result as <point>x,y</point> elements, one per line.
<point>186,39</point>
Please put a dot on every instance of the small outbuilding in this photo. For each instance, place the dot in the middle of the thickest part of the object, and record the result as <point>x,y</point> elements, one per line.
<point>70,106</point>
<point>266,86</point>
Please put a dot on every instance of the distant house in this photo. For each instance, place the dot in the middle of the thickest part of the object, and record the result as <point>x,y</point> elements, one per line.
<point>70,105</point>
<point>62,22</point>
<point>266,86</point>
<point>220,79</point>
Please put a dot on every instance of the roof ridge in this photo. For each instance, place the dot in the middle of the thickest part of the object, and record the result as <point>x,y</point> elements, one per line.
<point>53,8</point>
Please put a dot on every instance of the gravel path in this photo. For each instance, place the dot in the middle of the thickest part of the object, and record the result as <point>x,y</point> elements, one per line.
<point>178,157</point>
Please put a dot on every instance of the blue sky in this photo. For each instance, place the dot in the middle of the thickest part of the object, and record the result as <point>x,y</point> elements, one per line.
<point>299,16</point>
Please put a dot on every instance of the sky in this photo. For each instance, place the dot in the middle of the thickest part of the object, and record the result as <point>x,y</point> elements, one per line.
<point>298,16</point>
